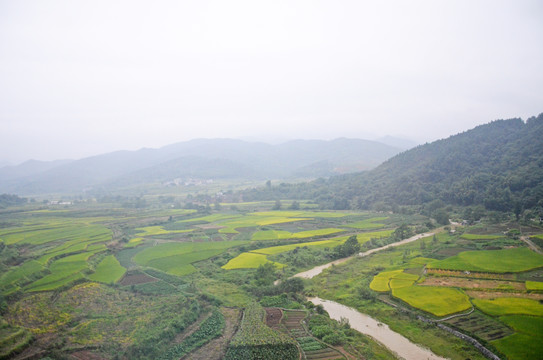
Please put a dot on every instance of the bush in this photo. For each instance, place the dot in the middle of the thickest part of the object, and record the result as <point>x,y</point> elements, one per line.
<point>321,331</point>
<point>336,338</point>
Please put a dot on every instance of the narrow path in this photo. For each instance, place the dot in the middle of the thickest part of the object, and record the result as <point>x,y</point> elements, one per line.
<point>402,242</point>
<point>531,245</point>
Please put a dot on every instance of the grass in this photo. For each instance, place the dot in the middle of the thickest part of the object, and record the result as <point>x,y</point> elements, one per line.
<point>368,224</point>
<point>304,214</point>
<point>284,248</point>
<point>212,218</point>
<point>499,261</point>
<point>230,226</point>
<point>281,235</point>
<point>434,300</point>
<point>159,230</point>
<point>534,285</point>
<point>520,346</point>
<point>57,231</point>
<point>108,271</point>
<point>271,235</point>
<point>21,272</point>
<point>530,325</point>
<point>177,258</point>
<point>480,237</point>
<point>365,237</point>
<point>320,244</point>
<point>509,306</point>
<point>249,261</point>
<point>133,243</point>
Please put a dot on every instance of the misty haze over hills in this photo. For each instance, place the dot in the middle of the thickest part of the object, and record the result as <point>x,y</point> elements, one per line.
<point>201,158</point>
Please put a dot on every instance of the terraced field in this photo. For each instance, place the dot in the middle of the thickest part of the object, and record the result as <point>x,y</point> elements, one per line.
<point>311,347</point>
<point>486,327</point>
<point>253,259</point>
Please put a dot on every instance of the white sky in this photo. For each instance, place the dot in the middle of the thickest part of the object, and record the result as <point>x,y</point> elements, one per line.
<point>78,78</point>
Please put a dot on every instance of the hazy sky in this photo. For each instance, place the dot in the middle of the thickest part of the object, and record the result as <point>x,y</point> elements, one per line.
<point>79,78</point>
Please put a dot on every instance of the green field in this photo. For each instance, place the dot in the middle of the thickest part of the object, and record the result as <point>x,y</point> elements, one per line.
<point>320,244</point>
<point>520,346</point>
<point>63,272</point>
<point>531,325</point>
<point>402,280</point>
<point>434,300</point>
<point>367,236</point>
<point>271,235</point>
<point>381,281</point>
<point>177,258</point>
<point>72,284</point>
<point>159,230</point>
<point>368,224</point>
<point>284,248</point>
<point>21,274</point>
<point>534,285</point>
<point>54,231</point>
<point>108,271</point>
<point>498,261</point>
<point>281,235</point>
<point>231,226</point>
<point>302,214</point>
<point>480,237</point>
<point>509,306</point>
<point>249,261</point>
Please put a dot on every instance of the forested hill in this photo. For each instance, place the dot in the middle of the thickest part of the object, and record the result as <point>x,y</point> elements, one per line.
<point>498,165</point>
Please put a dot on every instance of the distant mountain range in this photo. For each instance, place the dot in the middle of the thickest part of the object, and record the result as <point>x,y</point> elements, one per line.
<point>202,158</point>
<point>498,165</point>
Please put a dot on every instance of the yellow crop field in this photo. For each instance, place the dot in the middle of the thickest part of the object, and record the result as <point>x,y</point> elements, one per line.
<point>249,261</point>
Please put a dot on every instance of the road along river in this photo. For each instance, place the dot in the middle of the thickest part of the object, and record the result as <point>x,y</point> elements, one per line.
<point>367,325</point>
<point>318,269</point>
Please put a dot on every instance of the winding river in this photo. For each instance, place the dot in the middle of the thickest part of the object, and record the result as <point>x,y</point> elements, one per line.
<point>367,325</point>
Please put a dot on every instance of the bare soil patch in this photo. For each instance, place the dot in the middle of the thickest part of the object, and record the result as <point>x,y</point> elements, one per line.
<point>134,279</point>
<point>273,317</point>
<point>209,226</point>
<point>471,274</point>
<point>500,294</point>
<point>465,283</point>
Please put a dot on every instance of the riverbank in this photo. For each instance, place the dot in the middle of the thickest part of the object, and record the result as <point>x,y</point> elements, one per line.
<point>382,333</point>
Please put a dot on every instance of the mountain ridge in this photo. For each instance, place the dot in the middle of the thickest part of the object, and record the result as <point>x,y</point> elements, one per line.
<point>498,165</point>
<point>255,160</point>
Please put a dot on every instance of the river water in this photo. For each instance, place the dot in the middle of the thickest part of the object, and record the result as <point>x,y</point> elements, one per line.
<point>365,324</point>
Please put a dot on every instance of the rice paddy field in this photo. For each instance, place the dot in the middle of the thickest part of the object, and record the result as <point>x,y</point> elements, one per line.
<point>84,274</point>
<point>489,283</point>
<point>492,261</point>
<point>438,301</point>
<point>116,257</point>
